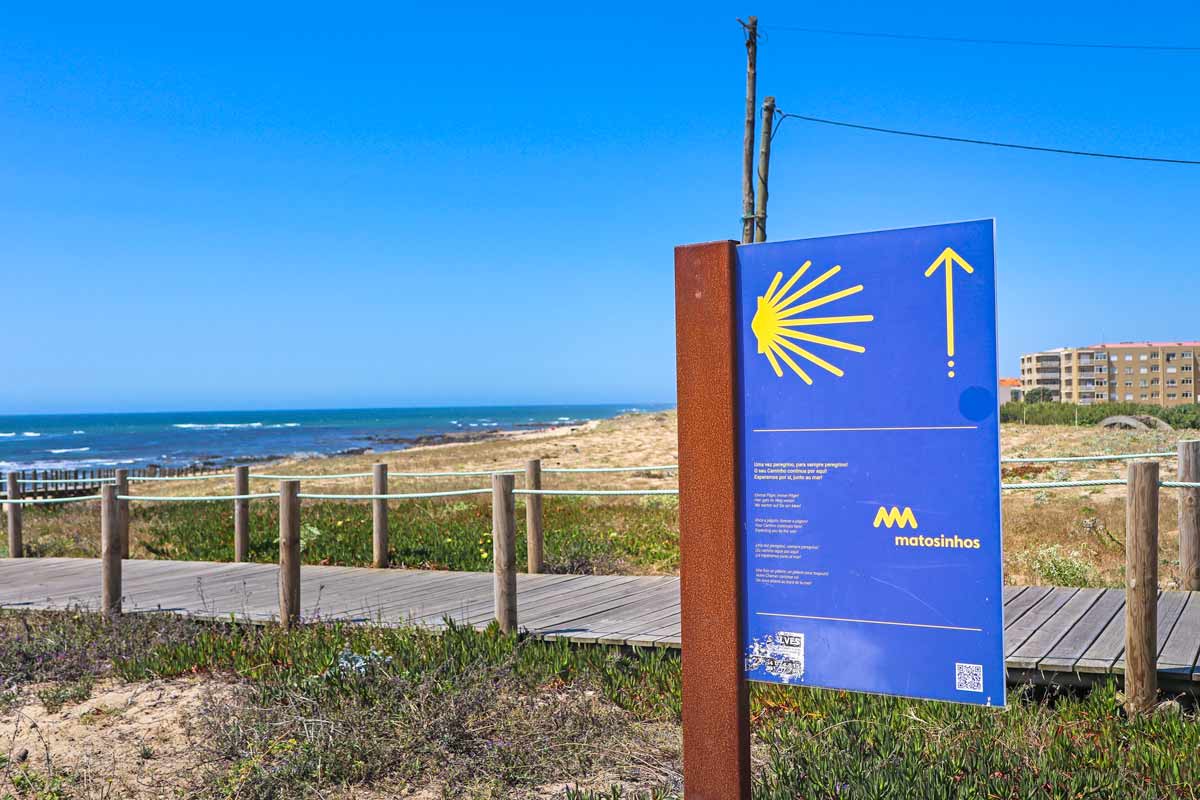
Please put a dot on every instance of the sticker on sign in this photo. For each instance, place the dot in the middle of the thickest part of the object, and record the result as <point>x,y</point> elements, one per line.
<point>780,655</point>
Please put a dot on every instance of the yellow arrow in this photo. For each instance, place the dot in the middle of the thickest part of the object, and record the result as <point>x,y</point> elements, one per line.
<point>948,259</point>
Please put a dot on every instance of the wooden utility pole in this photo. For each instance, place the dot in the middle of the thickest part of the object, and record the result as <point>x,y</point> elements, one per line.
<point>751,29</point>
<point>764,170</point>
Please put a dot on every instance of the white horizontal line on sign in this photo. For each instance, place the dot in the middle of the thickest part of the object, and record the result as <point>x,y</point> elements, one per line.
<point>870,622</point>
<point>878,428</point>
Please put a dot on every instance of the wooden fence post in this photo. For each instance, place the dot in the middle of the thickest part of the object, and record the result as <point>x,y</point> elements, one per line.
<point>110,551</point>
<point>504,550</point>
<point>1189,517</point>
<point>123,510</point>
<point>1141,587</point>
<point>16,547</point>
<point>289,553</point>
<point>534,539</point>
<point>379,517</point>
<point>241,514</point>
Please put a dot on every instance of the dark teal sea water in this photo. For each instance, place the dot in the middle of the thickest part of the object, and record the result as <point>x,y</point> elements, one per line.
<point>69,441</point>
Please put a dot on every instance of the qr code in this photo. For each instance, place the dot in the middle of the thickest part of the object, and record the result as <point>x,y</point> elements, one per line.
<point>968,677</point>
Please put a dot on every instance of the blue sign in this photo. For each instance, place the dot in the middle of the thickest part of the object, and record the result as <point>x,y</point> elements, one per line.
<point>870,463</point>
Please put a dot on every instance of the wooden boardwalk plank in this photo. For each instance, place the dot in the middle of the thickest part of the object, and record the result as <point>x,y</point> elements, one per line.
<point>1180,654</point>
<point>1043,639</point>
<point>1038,614</point>
<point>1170,608</point>
<point>567,618</point>
<point>1063,655</point>
<point>1021,603</point>
<point>1047,629</point>
<point>480,611</point>
<point>482,608</point>
<point>1012,592</point>
<point>1107,647</point>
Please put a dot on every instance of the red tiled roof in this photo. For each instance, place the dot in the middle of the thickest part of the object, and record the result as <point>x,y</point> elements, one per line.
<point>1141,344</point>
<point>1010,381</point>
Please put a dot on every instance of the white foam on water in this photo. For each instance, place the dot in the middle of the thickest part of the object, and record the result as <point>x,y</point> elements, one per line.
<point>30,433</point>
<point>81,463</point>
<point>218,426</point>
<point>214,426</point>
<point>69,450</point>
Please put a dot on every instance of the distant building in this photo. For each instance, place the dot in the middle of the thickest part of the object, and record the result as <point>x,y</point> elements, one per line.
<point>1154,373</point>
<point>1010,390</point>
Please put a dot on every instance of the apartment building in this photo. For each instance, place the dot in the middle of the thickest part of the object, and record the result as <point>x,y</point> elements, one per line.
<point>1155,373</point>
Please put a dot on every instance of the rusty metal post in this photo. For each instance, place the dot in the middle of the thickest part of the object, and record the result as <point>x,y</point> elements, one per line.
<point>716,708</point>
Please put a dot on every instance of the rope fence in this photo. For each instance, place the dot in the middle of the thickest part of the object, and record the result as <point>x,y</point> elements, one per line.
<point>556,470</point>
<point>406,496</point>
<point>342,476</point>
<point>198,498</point>
<point>464,492</point>
<point>594,492</point>
<point>39,501</point>
<point>1102,457</point>
<point>657,468</point>
<point>1064,484</point>
<point>539,492</point>
<point>166,479</point>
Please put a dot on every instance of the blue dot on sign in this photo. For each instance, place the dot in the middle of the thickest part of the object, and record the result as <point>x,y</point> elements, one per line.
<point>977,403</point>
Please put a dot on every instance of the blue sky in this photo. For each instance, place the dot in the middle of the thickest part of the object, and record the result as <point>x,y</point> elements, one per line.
<point>295,206</point>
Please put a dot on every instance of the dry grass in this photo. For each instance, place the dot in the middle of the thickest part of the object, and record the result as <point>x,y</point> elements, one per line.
<point>1077,536</point>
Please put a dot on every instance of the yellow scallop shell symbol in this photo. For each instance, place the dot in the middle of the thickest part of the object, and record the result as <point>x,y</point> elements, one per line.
<point>776,322</point>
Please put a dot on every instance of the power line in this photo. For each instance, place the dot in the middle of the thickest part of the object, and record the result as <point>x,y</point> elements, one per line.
<point>965,40</point>
<point>1062,151</point>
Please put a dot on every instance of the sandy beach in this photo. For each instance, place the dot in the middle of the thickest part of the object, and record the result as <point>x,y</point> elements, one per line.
<point>639,439</point>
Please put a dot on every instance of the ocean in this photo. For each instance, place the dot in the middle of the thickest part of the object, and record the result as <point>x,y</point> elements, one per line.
<point>218,438</point>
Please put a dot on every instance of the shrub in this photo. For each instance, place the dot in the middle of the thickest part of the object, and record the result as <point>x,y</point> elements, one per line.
<point>1066,413</point>
<point>1056,567</point>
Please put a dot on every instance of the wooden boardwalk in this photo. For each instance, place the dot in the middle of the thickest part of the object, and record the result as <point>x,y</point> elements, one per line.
<point>1052,635</point>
